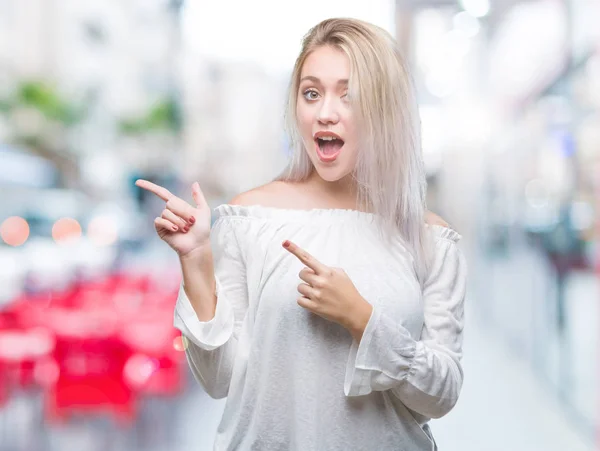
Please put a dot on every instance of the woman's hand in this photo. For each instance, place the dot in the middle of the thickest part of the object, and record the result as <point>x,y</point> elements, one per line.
<point>330,293</point>
<point>183,227</point>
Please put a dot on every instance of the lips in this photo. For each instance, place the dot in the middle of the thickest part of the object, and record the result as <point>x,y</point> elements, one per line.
<point>328,146</point>
<point>327,134</point>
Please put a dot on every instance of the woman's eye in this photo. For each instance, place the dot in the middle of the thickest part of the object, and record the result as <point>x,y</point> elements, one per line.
<point>311,94</point>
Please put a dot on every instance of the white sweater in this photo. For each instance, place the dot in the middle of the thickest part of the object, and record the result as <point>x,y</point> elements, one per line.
<point>297,382</point>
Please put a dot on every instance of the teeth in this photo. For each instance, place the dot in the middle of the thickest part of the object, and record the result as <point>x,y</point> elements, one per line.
<point>327,138</point>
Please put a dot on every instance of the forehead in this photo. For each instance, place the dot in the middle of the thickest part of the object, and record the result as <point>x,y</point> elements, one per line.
<point>327,64</point>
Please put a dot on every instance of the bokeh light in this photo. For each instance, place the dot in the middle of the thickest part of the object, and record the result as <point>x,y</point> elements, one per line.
<point>14,231</point>
<point>180,343</point>
<point>66,229</point>
<point>466,24</point>
<point>102,231</point>
<point>138,369</point>
<point>476,8</point>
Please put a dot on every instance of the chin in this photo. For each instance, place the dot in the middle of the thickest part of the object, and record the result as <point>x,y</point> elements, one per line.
<point>331,172</point>
<point>331,175</point>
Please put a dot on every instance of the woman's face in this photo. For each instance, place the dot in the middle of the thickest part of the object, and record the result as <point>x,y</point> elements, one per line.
<point>325,117</point>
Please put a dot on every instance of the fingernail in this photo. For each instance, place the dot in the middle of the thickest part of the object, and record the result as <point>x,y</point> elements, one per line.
<point>174,228</point>
<point>192,220</point>
<point>286,243</point>
<point>186,228</point>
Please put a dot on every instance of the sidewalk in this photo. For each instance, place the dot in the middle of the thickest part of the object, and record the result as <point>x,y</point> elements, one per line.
<point>503,407</point>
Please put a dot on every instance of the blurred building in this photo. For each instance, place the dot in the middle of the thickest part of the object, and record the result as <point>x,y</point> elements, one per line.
<point>115,60</point>
<point>509,96</point>
<point>233,130</point>
<point>121,51</point>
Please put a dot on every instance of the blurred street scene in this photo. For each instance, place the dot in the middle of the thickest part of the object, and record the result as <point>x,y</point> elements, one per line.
<point>96,94</point>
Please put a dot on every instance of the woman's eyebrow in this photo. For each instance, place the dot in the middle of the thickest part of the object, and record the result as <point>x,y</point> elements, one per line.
<point>343,81</point>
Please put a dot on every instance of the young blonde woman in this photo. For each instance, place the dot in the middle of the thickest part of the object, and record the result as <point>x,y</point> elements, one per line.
<point>327,305</point>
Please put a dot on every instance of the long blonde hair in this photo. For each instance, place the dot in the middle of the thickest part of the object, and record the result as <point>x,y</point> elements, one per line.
<point>389,172</point>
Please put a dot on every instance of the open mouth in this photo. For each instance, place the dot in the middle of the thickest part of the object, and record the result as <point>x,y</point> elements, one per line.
<point>328,147</point>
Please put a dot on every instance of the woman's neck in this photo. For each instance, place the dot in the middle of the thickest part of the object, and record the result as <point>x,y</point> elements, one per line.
<point>342,191</point>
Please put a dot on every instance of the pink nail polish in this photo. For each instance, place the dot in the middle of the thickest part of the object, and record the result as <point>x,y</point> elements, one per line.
<point>192,220</point>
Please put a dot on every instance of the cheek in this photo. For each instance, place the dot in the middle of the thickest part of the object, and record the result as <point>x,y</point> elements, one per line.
<point>351,155</point>
<point>352,142</point>
<point>304,116</point>
<point>349,120</point>
<point>350,130</point>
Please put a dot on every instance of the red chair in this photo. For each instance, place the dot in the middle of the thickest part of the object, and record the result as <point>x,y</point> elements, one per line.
<point>20,351</point>
<point>95,346</point>
<point>91,361</point>
<point>156,365</point>
<point>3,386</point>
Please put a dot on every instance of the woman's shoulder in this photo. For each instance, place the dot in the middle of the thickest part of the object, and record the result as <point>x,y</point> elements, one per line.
<point>285,200</point>
<point>262,202</point>
<point>433,219</point>
<point>272,194</point>
<point>280,195</point>
<point>440,227</point>
<point>288,202</point>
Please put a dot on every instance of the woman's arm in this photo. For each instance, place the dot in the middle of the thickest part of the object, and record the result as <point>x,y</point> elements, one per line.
<point>199,284</point>
<point>212,304</point>
<point>425,374</point>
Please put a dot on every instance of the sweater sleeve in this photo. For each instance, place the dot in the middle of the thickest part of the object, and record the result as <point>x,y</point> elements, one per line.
<point>425,374</point>
<point>211,346</point>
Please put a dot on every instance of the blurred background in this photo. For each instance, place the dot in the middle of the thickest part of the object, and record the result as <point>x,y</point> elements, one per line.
<point>96,94</point>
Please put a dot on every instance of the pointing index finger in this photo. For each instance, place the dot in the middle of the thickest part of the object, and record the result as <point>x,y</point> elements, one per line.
<point>305,257</point>
<point>161,192</point>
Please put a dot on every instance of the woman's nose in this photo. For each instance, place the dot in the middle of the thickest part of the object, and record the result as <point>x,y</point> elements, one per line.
<point>328,113</point>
